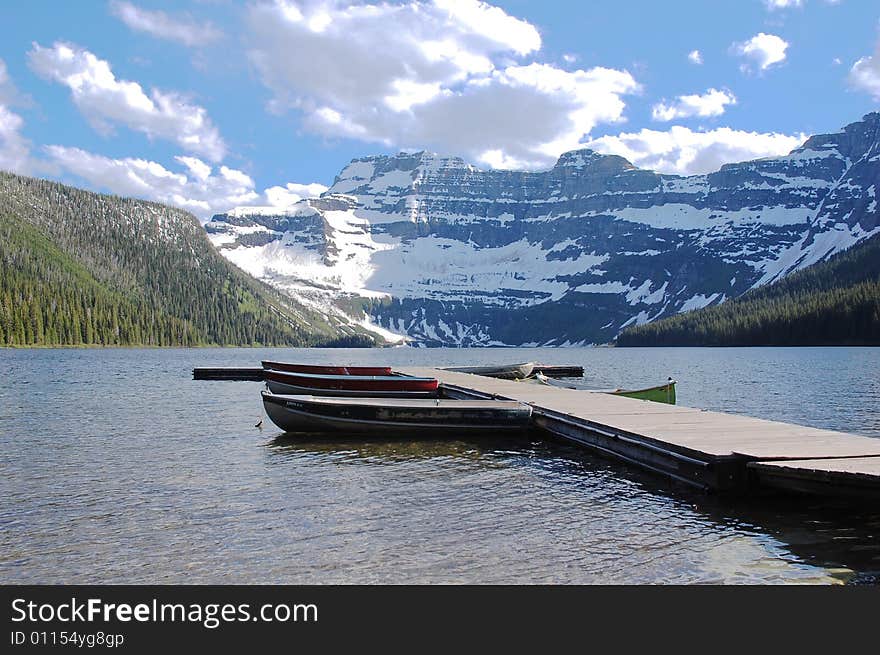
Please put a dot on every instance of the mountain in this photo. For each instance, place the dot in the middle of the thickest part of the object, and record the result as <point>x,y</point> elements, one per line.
<point>446,254</point>
<point>836,302</point>
<point>79,268</point>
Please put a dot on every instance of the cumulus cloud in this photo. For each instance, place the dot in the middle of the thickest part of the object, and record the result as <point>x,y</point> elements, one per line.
<point>444,75</point>
<point>105,100</point>
<point>683,151</point>
<point>762,50</point>
<point>865,74</point>
<point>695,57</point>
<point>14,148</point>
<point>783,4</point>
<point>711,103</point>
<point>198,187</point>
<point>482,21</point>
<point>8,93</point>
<point>290,193</point>
<point>181,28</point>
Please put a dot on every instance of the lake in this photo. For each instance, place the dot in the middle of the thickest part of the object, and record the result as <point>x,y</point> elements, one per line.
<point>117,467</point>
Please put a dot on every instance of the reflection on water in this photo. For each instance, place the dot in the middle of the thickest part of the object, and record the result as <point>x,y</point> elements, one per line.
<point>372,449</point>
<point>116,467</point>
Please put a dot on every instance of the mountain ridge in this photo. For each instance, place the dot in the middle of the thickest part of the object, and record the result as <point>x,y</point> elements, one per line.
<point>444,253</point>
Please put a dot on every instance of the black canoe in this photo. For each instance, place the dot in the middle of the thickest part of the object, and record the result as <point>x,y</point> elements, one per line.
<point>394,416</point>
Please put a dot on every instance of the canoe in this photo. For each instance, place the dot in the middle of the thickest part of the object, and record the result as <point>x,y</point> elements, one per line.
<point>394,416</point>
<point>284,382</point>
<point>504,372</point>
<point>316,369</point>
<point>663,393</point>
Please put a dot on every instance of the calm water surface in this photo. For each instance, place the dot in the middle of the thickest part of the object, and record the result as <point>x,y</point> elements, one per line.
<point>116,467</point>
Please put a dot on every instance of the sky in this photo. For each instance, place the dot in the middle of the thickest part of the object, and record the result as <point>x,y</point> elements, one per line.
<point>213,104</point>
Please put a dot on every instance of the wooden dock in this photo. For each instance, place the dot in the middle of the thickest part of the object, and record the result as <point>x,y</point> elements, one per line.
<point>710,450</point>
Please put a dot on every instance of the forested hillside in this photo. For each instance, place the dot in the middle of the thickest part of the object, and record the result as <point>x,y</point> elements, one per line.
<point>79,268</point>
<point>836,302</point>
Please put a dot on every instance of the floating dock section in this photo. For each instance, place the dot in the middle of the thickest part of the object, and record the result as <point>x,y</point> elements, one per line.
<point>713,451</point>
<point>247,374</point>
<point>229,373</point>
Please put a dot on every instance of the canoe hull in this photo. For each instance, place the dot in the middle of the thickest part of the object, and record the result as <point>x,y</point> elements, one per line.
<point>410,418</point>
<point>296,390</point>
<point>665,393</point>
<point>376,384</point>
<point>316,369</point>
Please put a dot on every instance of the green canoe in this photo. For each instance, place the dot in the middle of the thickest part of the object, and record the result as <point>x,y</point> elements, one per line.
<point>665,393</point>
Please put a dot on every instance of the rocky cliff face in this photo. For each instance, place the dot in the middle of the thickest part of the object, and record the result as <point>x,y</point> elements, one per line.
<point>447,254</point>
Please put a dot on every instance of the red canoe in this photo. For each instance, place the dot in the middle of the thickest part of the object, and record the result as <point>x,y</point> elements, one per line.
<point>284,382</point>
<point>315,369</point>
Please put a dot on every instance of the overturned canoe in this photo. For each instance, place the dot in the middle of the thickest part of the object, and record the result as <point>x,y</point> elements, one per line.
<point>394,416</point>
<point>316,369</point>
<point>284,382</point>
<point>504,372</point>
<point>559,370</point>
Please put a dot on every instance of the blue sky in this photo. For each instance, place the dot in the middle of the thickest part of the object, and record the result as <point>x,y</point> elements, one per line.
<point>212,104</point>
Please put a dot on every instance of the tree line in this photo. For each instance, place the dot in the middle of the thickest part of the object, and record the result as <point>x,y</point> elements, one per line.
<point>79,268</point>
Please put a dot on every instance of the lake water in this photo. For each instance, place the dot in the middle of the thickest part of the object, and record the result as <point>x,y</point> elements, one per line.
<point>117,467</point>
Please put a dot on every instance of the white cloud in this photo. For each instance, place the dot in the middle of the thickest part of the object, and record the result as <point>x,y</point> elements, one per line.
<point>199,188</point>
<point>783,4</point>
<point>8,93</point>
<point>105,100</point>
<point>683,151</point>
<point>763,50</point>
<point>443,75</point>
<point>182,29</point>
<point>865,74</point>
<point>711,103</point>
<point>483,21</point>
<point>14,148</point>
<point>290,193</point>
<point>695,57</point>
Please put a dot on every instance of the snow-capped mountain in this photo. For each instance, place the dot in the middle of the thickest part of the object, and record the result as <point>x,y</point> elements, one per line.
<point>447,254</point>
